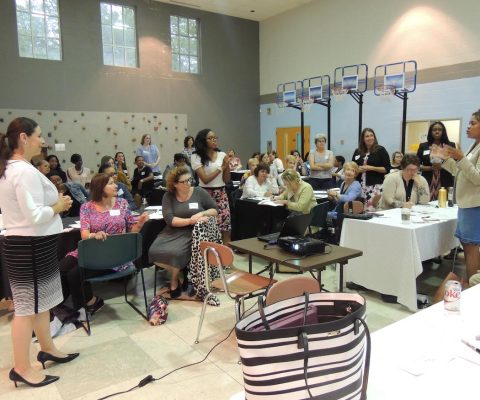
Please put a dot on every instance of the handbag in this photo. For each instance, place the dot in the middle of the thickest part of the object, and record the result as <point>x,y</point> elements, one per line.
<point>289,352</point>
<point>157,310</point>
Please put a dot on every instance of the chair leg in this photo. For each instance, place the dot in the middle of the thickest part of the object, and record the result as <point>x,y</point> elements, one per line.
<point>154,280</point>
<point>202,315</point>
<point>144,296</point>
<point>82,277</point>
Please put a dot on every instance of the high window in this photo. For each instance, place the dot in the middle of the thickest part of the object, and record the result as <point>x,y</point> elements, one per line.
<point>38,28</point>
<point>185,43</point>
<point>119,37</point>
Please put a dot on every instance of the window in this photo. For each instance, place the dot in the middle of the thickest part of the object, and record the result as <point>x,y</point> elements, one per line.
<point>38,28</point>
<point>185,44</point>
<point>119,37</point>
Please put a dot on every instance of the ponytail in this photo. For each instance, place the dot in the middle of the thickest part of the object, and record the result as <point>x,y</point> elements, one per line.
<point>9,141</point>
<point>5,153</point>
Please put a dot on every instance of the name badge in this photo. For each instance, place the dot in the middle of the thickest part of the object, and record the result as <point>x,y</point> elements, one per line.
<point>357,157</point>
<point>426,152</point>
<point>119,192</point>
<point>193,206</point>
<point>142,173</point>
<point>114,213</point>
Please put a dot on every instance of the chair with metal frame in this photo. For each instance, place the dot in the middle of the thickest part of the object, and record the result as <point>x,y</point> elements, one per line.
<point>238,285</point>
<point>114,251</point>
<point>291,287</point>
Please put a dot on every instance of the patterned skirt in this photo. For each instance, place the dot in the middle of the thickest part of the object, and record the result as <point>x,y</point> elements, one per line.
<point>32,268</point>
<point>219,195</point>
<point>372,196</point>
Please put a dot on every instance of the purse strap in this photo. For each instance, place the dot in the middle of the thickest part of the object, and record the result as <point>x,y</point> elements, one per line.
<point>262,313</point>
<point>303,343</point>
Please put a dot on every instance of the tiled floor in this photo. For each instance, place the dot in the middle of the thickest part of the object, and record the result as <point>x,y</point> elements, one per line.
<point>123,348</point>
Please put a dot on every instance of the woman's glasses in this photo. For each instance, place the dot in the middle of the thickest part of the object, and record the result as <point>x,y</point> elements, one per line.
<point>188,180</point>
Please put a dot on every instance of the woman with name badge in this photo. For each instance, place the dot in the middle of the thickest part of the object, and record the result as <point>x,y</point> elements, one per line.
<point>105,214</point>
<point>466,169</point>
<point>31,206</point>
<point>182,207</point>
<point>374,162</point>
<point>431,167</point>
<point>212,168</point>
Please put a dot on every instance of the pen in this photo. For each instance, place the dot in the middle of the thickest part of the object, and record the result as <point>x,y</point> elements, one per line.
<point>471,346</point>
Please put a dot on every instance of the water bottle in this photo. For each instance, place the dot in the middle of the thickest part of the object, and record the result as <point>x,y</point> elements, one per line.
<point>450,196</point>
<point>442,197</point>
<point>144,204</point>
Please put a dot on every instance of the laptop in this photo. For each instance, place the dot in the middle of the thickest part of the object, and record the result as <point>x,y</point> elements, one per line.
<point>294,225</point>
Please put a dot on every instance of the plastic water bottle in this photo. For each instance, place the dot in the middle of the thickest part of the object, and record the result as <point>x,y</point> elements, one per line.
<point>450,196</point>
<point>144,204</point>
<point>442,198</point>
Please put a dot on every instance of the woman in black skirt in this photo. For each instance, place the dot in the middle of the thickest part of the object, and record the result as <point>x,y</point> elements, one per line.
<point>31,206</point>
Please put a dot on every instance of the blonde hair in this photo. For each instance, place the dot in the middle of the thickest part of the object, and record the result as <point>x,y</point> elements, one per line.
<point>251,160</point>
<point>352,165</point>
<point>291,176</point>
<point>290,158</point>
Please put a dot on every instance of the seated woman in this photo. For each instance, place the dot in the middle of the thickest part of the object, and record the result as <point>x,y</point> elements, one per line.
<point>78,173</point>
<point>182,207</point>
<point>405,188</point>
<point>258,185</point>
<point>142,182</point>
<point>103,215</point>
<point>179,160</point>
<point>43,166</point>
<point>121,177</point>
<point>55,167</point>
<point>252,164</point>
<point>122,189</point>
<point>235,163</point>
<point>396,160</point>
<point>298,195</point>
<point>77,193</point>
<point>350,189</point>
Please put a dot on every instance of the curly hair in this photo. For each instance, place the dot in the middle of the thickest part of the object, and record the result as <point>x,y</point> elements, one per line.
<point>201,146</point>
<point>174,175</point>
<point>261,167</point>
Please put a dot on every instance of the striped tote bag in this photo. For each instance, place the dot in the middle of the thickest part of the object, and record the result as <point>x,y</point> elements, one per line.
<point>315,346</point>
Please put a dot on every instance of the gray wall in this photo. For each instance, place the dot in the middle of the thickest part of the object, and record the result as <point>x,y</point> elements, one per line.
<point>224,97</point>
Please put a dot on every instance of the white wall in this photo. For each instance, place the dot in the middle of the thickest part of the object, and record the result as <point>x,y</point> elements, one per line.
<point>316,38</point>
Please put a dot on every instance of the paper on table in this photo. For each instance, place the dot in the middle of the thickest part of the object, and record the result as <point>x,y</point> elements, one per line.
<point>155,208</point>
<point>267,202</point>
<point>156,215</point>
<point>76,225</point>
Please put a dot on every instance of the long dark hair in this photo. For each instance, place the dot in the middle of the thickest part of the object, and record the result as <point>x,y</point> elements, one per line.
<point>362,147</point>
<point>201,146</point>
<point>185,141</point>
<point>443,138</point>
<point>59,167</point>
<point>124,158</point>
<point>9,141</point>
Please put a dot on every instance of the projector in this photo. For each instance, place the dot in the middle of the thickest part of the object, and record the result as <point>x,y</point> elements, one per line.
<point>301,245</point>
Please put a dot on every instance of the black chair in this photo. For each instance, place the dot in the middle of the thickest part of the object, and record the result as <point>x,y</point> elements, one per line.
<point>156,197</point>
<point>114,251</point>
<point>319,216</point>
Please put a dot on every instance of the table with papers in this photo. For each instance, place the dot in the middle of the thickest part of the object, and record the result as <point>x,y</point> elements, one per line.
<point>393,251</point>
<point>423,356</point>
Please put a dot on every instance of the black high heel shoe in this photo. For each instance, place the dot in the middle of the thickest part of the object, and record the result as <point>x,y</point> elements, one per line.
<point>176,292</point>
<point>16,377</point>
<point>43,357</point>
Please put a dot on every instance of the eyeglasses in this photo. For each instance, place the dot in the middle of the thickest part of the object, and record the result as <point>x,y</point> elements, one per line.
<point>212,138</point>
<point>188,180</point>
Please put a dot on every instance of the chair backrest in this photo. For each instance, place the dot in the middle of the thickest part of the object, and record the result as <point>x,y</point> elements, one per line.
<point>211,249</point>
<point>353,207</point>
<point>156,197</point>
<point>319,215</point>
<point>291,287</point>
<point>116,250</point>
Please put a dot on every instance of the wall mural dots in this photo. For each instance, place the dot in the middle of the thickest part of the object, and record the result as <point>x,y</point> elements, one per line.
<point>93,137</point>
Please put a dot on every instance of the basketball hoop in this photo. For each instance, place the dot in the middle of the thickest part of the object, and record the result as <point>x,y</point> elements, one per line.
<point>306,103</point>
<point>385,91</point>
<point>339,93</point>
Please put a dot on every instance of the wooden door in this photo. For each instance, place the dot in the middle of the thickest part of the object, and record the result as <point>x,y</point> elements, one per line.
<point>289,138</point>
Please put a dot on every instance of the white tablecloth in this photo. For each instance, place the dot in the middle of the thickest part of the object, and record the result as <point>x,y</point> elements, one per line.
<point>393,251</point>
<point>422,356</point>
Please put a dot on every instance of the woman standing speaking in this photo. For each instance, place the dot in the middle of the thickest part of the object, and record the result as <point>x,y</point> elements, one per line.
<point>31,206</point>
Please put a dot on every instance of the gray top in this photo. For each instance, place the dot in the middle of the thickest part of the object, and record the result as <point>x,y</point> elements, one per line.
<point>171,207</point>
<point>321,159</point>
